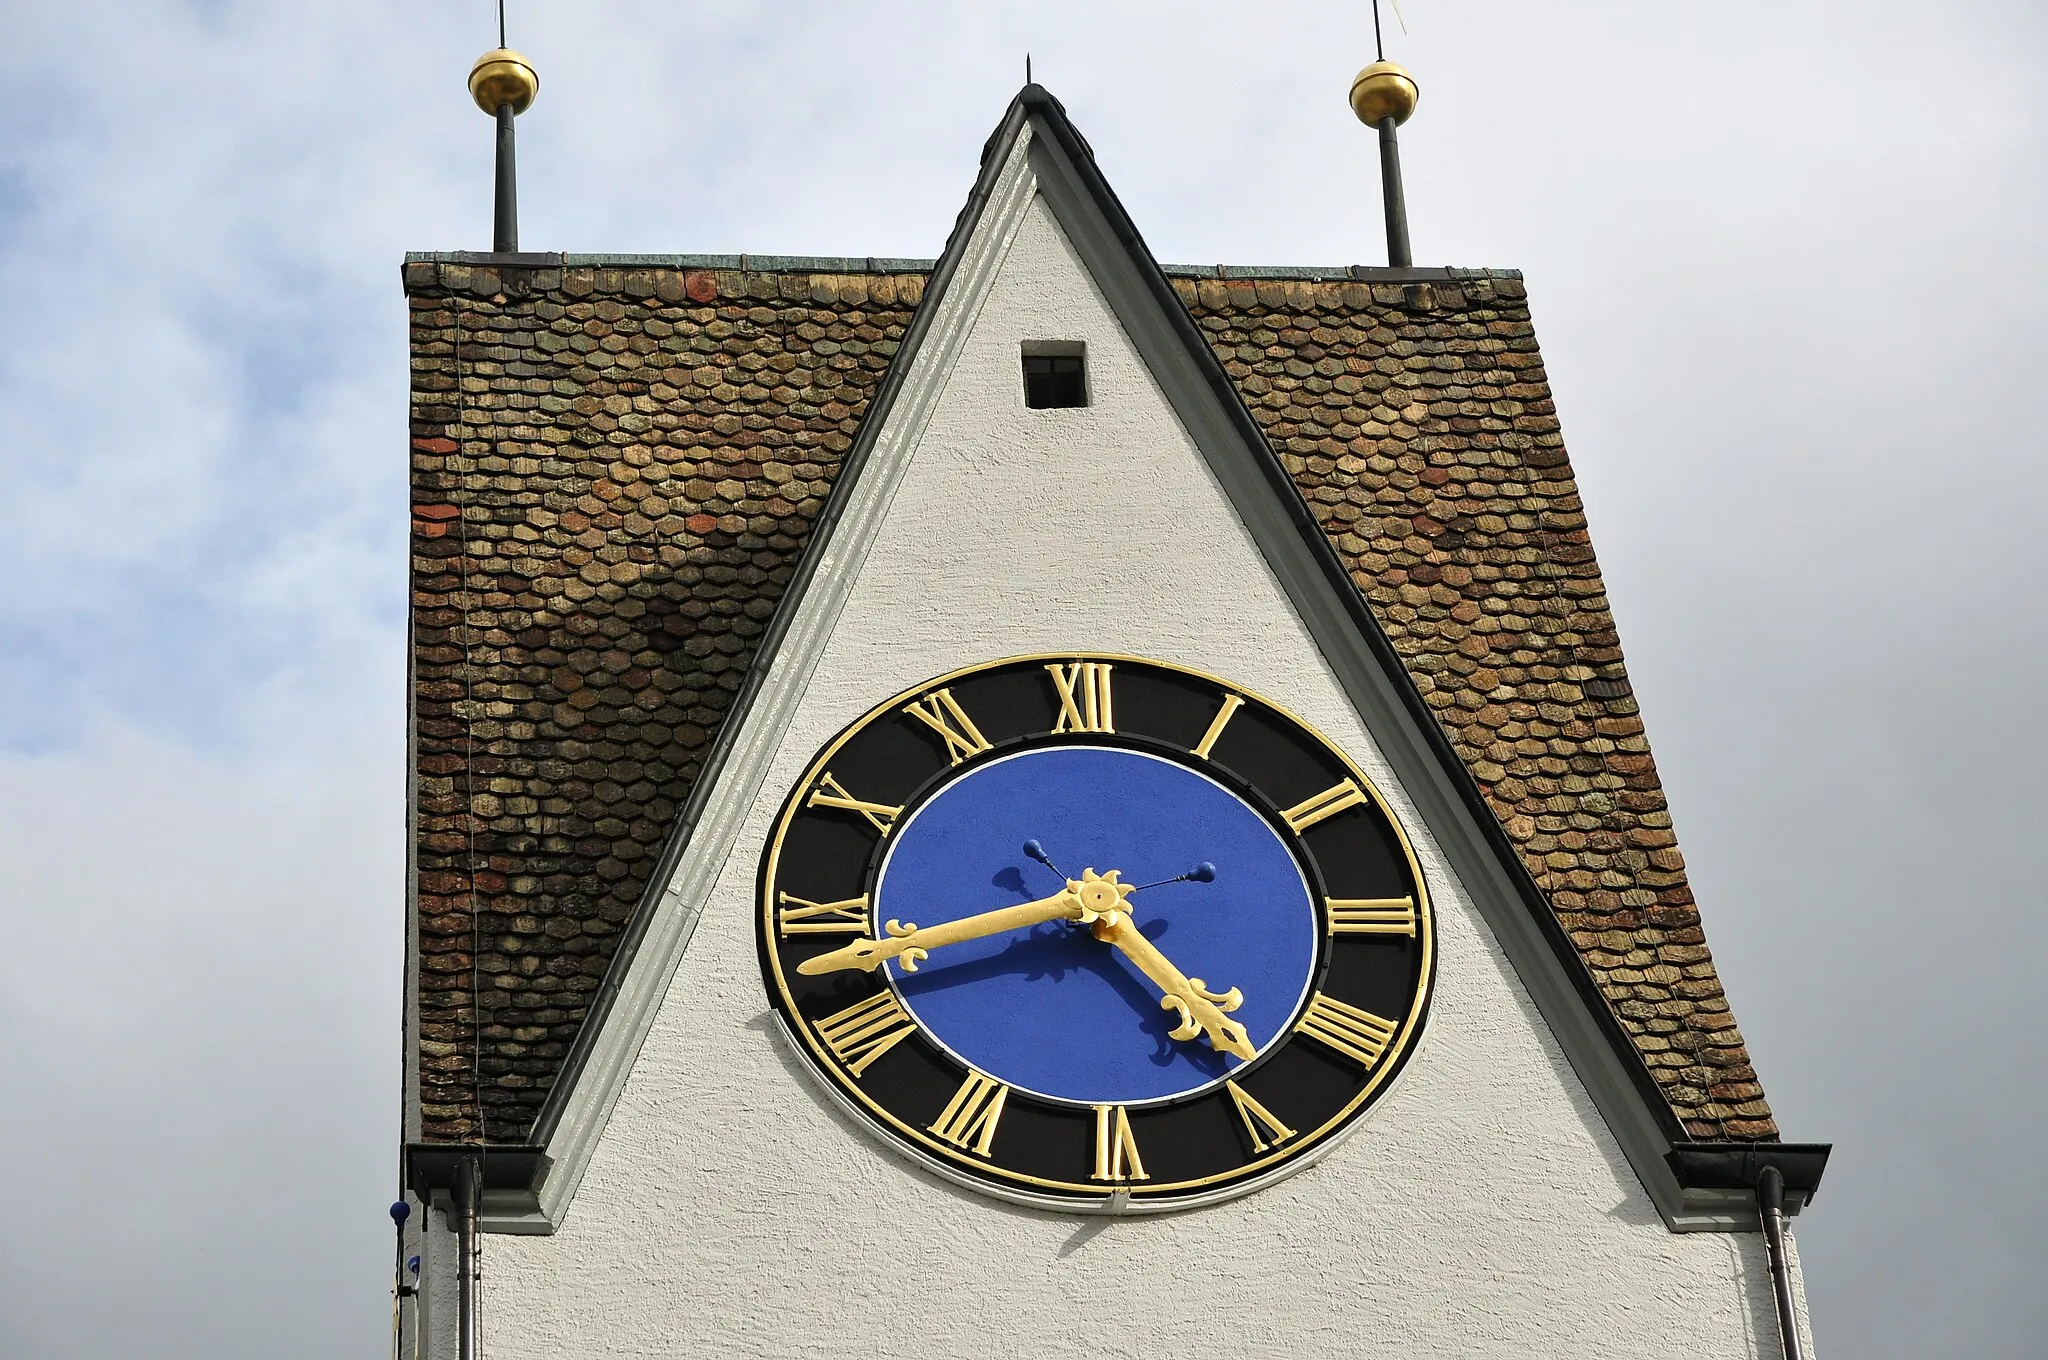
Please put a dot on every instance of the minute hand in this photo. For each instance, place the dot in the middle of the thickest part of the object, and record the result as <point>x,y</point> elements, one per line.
<point>1201,1010</point>
<point>913,942</point>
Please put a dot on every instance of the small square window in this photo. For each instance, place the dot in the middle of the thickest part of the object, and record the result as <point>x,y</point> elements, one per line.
<point>1054,375</point>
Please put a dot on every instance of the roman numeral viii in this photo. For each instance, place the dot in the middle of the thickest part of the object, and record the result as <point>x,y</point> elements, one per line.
<point>942,713</point>
<point>832,794</point>
<point>1358,1035</point>
<point>799,916</point>
<point>1084,693</point>
<point>1328,803</point>
<point>1372,915</point>
<point>969,1119</point>
<point>866,1030</point>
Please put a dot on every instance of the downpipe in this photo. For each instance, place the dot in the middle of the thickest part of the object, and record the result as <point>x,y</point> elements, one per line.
<point>1770,1200</point>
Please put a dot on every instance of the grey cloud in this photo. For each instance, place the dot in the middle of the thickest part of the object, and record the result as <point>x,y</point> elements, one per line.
<point>1786,265</point>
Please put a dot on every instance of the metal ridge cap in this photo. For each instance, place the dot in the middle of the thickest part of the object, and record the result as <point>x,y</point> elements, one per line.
<point>811,264</point>
<point>1366,273</point>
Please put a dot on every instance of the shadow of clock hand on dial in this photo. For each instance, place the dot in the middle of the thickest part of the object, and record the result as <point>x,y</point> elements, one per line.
<point>1057,1010</point>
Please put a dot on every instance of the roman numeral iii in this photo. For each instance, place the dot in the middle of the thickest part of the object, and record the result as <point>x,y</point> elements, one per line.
<point>832,794</point>
<point>1328,803</point>
<point>942,713</point>
<point>1116,1152</point>
<point>1084,693</point>
<point>1258,1120</point>
<point>1371,915</point>
<point>866,1030</point>
<point>800,916</point>
<point>969,1119</point>
<point>1358,1035</point>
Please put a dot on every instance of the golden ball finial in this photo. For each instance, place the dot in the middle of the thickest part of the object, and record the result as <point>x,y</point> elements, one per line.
<point>1381,90</point>
<point>502,76</point>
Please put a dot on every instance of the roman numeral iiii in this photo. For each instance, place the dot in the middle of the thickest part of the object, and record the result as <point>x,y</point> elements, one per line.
<point>1359,1035</point>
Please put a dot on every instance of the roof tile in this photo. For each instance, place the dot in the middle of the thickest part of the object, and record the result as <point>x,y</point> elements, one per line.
<point>616,467</point>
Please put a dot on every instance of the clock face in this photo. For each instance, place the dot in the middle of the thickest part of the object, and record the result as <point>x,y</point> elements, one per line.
<point>1088,929</point>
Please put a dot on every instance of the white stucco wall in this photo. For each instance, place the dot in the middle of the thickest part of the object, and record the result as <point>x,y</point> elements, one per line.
<point>731,1209</point>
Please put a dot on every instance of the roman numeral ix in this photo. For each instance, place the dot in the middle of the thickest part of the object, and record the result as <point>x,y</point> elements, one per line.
<point>800,916</point>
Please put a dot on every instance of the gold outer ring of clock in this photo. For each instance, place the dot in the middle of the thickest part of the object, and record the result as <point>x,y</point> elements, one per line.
<point>1389,1063</point>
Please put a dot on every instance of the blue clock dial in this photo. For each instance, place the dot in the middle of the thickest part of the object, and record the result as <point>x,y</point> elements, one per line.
<point>1048,1008</point>
<point>1094,930</point>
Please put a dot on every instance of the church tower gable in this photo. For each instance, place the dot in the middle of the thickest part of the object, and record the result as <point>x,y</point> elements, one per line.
<point>1345,486</point>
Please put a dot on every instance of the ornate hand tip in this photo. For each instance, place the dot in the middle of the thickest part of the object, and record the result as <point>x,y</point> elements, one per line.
<point>1035,851</point>
<point>1205,872</point>
<point>861,954</point>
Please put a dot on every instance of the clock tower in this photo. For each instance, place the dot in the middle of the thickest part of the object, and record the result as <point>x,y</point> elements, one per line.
<point>1040,800</point>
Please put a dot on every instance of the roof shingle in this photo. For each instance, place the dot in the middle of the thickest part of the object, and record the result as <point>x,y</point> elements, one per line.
<point>615,469</point>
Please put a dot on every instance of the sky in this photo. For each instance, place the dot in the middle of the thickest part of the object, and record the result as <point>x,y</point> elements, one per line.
<point>1786,265</point>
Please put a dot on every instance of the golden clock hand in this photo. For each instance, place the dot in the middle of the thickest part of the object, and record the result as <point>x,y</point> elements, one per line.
<point>912,943</point>
<point>1085,899</point>
<point>1201,1010</point>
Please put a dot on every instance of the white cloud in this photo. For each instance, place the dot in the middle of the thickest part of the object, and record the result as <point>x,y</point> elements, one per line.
<point>1785,264</point>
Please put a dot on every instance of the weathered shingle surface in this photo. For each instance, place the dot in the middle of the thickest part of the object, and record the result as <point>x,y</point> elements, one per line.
<point>615,468</point>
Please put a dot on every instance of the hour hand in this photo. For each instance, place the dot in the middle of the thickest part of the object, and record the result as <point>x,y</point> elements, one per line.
<point>911,943</point>
<point>1201,1011</point>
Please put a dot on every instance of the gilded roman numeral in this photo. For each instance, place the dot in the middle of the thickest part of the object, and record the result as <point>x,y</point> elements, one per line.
<point>969,1119</point>
<point>1371,915</point>
<point>1258,1120</point>
<point>1328,803</point>
<point>942,713</point>
<point>1357,1034</point>
<point>1084,697</point>
<point>1231,703</point>
<point>799,916</point>
<point>866,1030</point>
<point>1116,1152</point>
<point>832,794</point>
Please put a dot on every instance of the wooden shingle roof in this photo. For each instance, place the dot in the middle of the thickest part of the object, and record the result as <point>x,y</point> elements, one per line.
<point>616,464</point>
